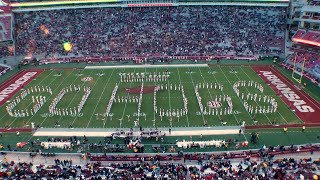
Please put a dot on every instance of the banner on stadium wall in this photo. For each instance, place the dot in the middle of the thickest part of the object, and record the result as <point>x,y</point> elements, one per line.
<point>5,6</point>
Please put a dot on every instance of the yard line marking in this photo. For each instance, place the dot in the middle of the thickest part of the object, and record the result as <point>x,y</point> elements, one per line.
<point>264,94</point>
<point>204,121</point>
<point>51,94</point>
<point>17,94</point>
<point>69,103</point>
<point>77,93</point>
<point>74,98</point>
<point>222,93</point>
<point>99,98</point>
<point>154,112</point>
<point>242,132</point>
<point>208,91</point>
<point>125,105</point>
<point>233,91</point>
<point>31,101</point>
<point>169,99</point>
<point>182,99</point>
<point>249,92</point>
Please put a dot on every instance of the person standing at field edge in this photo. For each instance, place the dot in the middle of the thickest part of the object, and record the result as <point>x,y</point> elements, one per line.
<point>285,129</point>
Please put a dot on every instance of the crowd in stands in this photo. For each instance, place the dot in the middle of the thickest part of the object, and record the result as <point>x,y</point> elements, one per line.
<point>316,70</point>
<point>194,166</point>
<point>157,31</point>
<point>305,51</point>
<point>6,51</point>
<point>251,169</point>
<point>311,59</point>
<point>260,163</point>
<point>66,170</point>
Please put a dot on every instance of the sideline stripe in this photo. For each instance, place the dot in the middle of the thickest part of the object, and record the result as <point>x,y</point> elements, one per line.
<point>147,66</point>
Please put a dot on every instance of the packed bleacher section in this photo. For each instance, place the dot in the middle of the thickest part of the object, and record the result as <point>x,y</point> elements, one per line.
<point>312,58</point>
<point>144,32</point>
<point>66,170</point>
<point>179,165</point>
<point>152,167</point>
<point>308,55</point>
<point>306,47</point>
<point>316,70</point>
<point>6,51</point>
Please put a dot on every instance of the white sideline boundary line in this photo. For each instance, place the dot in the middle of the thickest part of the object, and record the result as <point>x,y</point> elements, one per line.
<point>147,66</point>
<point>109,133</point>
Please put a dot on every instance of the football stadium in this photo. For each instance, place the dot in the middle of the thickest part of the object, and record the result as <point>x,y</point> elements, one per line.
<point>160,89</point>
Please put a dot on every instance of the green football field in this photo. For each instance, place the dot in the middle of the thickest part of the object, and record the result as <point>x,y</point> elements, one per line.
<point>123,114</point>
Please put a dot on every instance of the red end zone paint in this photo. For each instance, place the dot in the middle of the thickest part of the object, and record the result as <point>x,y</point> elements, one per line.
<point>306,108</point>
<point>14,84</point>
<point>14,130</point>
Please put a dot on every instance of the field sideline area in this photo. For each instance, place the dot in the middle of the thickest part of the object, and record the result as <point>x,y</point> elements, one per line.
<point>102,82</point>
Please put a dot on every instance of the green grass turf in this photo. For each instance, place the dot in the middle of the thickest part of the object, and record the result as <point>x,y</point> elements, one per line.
<point>267,137</point>
<point>311,88</point>
<point>102,87</point>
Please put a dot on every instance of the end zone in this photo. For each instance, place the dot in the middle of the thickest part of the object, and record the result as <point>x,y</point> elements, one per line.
<point>306,108</point>
<point>15,83</point>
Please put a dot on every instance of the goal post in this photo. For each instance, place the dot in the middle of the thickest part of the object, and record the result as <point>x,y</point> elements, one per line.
<point>296,74</point>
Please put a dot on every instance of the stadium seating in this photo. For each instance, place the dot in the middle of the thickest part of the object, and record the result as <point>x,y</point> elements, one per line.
<point>308,36</point>
<point>311,64</point>
<point>316,70</point>
<point>311,35</point>
<point>5,28</point>
<point>145,32</point>
<point>261,164</point>
<point>5,51</point>
<point>311,59</point>
<point>299,33</point>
